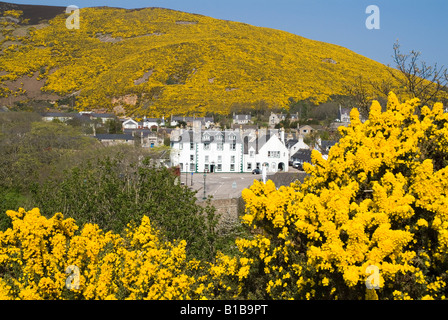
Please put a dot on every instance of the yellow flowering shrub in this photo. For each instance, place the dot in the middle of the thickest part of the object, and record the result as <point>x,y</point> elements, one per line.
<point>370,222</point>
<point>36,252</point>
<point>379,199</point>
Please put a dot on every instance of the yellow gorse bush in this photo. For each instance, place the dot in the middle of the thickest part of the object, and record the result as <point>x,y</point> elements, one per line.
<point>36,253</point>
<point>380,199</point>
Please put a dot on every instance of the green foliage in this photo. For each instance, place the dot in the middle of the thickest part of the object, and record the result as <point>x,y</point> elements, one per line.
<point>112,193</point>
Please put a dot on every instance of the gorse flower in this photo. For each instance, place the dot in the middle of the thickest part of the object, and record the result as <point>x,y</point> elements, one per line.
<point>379,200</point>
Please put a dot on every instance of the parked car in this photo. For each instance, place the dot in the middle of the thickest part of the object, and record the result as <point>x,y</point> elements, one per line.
<point>297,165</point>
<point>256,171</point>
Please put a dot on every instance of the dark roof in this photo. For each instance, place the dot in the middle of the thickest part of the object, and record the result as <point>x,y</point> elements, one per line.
<point>291,142</point>
<point>286,178</point>
<point>60,114</point>
<point>102,115</point>
<point>152,120</point>
<point>115,136</point>
<point>258,143</point>
<point>326,145</point>
<point>186,119</point>
<point>302,154</point>
<point>189,136</point>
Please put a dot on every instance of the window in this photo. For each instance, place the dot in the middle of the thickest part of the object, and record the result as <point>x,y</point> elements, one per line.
<point>181,165</point>
<point>191,157</point>
<point>220,146</point>
<point>181,146</point>
<point>206,146</point>
<point>273,154</point>
<point>219,167</point>
<point>219,137</point>
<point>249,166</point>
<point>191,146</point>
<point>232,167</point>
<point>206,159</point>
<point>206,137</point>
<point>206,168</point>
<point>232,137</point>
<point>191,167</point>
<point>251,153</point>
<point>219,159</point>
<point>232,159</point>
<point>233,146</point>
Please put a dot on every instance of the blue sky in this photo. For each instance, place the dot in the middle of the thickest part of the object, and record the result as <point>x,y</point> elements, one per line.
<point>418,25</point>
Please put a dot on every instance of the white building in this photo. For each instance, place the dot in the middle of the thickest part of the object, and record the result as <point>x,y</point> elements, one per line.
<point>242,118</point>
<point>297,146</point>
<point>130,124</point>
<point>231,151</point>
<point>266,149</point>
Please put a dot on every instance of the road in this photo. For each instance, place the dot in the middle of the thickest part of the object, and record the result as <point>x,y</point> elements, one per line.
<point>219,185</point>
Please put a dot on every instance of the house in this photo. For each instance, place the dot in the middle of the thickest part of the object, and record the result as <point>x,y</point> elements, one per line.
<point>302,156</point>
<point>114,139</point>
<point>196,150</point>
<point>325,146</point>
<point>152,122</point>
<point>61,116</point>
<point>130,124</point>
<point>343,115</point>
<point>146,138</point>
<point>267,149</point>
<point>306,129</point>
<point>275,118</point>
<point>102,117</point>
<point>206,122</point>
<point>299,144</point>
<point>242,118</point>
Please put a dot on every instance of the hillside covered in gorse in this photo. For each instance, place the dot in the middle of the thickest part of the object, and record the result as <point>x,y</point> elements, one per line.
<point>157,62</point>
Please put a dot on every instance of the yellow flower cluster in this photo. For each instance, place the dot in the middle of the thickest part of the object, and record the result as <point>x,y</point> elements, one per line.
<point>36,252</point>
<point>380,199</point>
<point>379,202</point>
<point>36,255</point>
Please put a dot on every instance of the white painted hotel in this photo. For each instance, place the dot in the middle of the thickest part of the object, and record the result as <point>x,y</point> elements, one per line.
<point>196,150</point>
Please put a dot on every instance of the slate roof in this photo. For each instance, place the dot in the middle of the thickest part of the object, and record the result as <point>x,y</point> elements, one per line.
<point>302,154</point>
<point>115,136</point>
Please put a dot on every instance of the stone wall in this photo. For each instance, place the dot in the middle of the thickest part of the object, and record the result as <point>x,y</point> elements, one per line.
<point>229,209</point>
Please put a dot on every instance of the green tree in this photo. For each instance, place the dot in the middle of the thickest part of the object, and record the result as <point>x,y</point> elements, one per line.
<point>113,192</point>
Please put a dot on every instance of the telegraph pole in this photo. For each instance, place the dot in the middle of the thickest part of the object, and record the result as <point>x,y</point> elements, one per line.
<point>205,175</point>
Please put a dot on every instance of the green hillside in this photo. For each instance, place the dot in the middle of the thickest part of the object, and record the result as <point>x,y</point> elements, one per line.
<point>157,61</point>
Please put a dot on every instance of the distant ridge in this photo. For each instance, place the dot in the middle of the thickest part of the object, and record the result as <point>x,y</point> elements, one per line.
<point>35,13</point>
<point>155,61</point>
